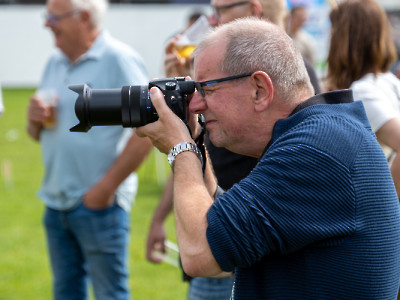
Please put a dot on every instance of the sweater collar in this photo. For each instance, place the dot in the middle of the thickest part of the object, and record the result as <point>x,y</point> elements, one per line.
<point>334,97</point>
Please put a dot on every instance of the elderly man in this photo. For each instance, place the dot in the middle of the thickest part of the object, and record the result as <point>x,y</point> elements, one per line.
<point>229,167</point>
<point>88,185</point>
<point>318,216</point>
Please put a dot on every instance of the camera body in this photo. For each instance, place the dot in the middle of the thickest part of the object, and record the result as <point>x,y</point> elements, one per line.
<point>129,106</point>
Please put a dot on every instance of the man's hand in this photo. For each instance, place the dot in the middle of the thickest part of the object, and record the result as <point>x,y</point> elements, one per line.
<point>155,242</point>
<point>37,113</point>
<point>98,197</point>
<point>173,65</point>
<point>169,130</point>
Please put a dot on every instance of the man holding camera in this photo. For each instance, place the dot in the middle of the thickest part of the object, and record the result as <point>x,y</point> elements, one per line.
<point>315,218</point>
<point>229,167</point>
<point>88,185</point>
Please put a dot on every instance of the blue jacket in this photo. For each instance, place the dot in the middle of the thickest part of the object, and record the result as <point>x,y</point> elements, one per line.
<point>318,217</point>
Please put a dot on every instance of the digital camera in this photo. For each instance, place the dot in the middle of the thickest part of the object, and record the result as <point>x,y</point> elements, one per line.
<point>129,106</point>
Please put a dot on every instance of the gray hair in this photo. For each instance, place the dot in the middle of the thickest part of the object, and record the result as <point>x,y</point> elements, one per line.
<point>257,45</point>
<point>97,8</point>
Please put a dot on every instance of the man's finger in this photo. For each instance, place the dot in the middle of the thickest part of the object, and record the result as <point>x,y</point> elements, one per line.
<point>158,101</point>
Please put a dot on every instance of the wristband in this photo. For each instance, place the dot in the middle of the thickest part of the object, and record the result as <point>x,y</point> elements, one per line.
<point>182,147</point>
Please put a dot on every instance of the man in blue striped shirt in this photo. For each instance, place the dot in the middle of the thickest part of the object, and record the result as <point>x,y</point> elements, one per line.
<point>318,217</point>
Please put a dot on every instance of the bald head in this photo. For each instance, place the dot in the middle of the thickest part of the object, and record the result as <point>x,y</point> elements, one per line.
<point>244,39</point>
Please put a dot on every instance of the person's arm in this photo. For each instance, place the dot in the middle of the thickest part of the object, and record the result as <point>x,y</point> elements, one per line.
<point>101,195</point>
<point>156,236</point>
<point>173,65</point>
<point>192,200</point>
<point>389,134</point>
<point>193,194</point>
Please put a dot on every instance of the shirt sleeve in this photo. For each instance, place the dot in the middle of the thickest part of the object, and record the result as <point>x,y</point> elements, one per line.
<point>376,102</point>
<point>296,195</point>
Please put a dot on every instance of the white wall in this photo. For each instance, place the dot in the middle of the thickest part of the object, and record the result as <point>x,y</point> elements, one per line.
<point>26,44</point>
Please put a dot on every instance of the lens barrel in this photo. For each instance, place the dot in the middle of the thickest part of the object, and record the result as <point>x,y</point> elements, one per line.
<point>96,107</point>
<point>129,106</point>
<point>137,109</point>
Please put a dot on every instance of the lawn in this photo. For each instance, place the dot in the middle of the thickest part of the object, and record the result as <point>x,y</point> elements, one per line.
<point>24,267</point>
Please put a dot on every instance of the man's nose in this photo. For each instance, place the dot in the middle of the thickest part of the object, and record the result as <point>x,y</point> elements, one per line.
<point>213,20</point>
<point>197,104</point>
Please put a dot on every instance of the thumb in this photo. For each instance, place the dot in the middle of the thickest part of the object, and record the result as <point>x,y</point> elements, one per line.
<point>158,101</point>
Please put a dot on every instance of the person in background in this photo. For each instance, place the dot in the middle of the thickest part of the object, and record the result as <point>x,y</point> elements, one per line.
<point>88,185</point>
<point>193,17</point>
<point>318,216</point>
<point>225,11</point>
<point>295,28</point>
<point>229,167</point>
<point>190,20</point>
<point>360,58</point>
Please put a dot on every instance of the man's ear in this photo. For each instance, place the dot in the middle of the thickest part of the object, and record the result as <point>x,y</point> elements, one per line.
<point>256,8</point>
<point>263,90</point>
<point>85,16</point>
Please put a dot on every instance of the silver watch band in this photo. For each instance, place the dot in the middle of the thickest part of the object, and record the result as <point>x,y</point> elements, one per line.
<point>182,147</point>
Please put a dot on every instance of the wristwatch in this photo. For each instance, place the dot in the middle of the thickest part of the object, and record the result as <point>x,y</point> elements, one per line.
<point>182,147</point>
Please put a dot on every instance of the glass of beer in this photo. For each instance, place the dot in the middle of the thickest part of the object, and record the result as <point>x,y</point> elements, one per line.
<point>49,97</point>
<point>185,46</point>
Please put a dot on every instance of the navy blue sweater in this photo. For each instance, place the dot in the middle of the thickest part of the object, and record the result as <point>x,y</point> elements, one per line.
<point>317,218</point>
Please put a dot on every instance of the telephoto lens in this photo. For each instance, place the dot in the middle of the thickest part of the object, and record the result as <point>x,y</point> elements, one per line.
<point>129,106</point>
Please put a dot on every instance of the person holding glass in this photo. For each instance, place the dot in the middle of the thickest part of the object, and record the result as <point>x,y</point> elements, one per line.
<point>89,182</point>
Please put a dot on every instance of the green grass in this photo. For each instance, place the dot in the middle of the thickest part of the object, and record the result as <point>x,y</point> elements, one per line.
<point>24,266</point>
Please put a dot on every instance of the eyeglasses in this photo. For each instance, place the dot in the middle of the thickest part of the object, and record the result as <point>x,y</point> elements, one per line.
<point>199,85</point>
<point>219,9</point>
<point>53,19</point>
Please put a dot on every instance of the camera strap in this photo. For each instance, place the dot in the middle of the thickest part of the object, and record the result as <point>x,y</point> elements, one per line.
<point>200,140</point>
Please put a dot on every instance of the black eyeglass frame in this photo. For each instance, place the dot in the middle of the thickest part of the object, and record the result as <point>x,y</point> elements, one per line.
<point>228,6</point>
<point>199,85</point>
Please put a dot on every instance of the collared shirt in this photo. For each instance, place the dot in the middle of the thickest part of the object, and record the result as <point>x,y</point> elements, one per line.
<point>74,162</point>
